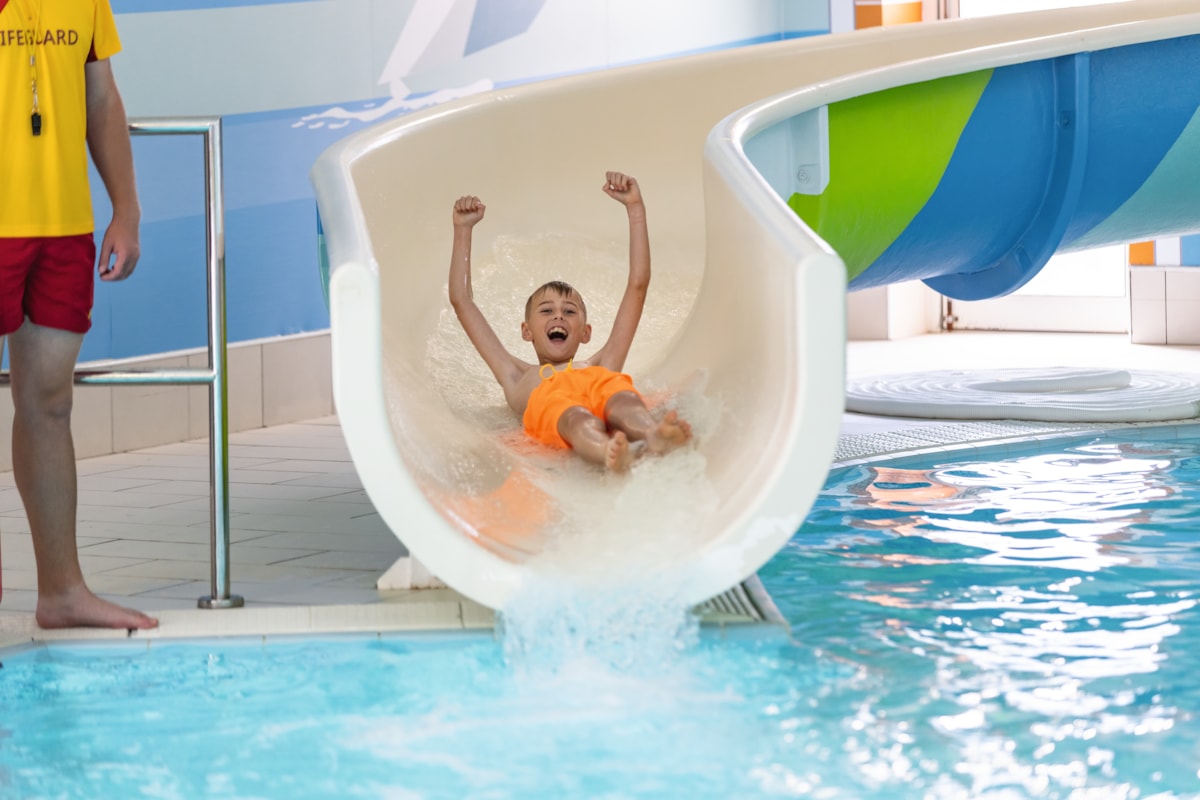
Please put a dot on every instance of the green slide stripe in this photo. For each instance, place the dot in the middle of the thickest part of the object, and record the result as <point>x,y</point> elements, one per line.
<point>887,153</point>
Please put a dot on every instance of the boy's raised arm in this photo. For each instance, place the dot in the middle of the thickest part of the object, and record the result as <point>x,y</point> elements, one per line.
<point>625,189</point>
<point>468,210</point>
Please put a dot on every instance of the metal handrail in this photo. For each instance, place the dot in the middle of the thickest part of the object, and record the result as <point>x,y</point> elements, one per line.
<point>216,375</point>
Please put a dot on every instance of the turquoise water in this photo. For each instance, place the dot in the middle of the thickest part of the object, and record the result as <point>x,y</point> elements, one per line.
<point>1003,625</point>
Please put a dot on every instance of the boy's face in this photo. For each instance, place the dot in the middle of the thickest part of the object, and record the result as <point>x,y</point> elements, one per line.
<point>556,325</point>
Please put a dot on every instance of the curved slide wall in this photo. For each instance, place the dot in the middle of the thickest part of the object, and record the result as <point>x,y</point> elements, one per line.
<point>763,337</point>
<point>971,182</point>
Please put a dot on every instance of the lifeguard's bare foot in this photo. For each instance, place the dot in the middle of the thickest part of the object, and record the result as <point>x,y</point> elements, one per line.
<point>79,608</point>
<point>671,433</point>
<point>618,456</point>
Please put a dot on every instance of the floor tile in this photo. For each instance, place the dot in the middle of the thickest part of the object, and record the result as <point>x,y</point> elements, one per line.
<point>383,542</point>
<point>321,466</point>
<point>249,554</point>
<point>147,550</point>
<point>334,481</point>
<point>364,523</point>
<point>129,498</point>
<point>145,516</point>
<point>346,560</point>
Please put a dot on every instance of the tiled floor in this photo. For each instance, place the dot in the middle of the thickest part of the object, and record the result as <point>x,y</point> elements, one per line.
<point>302,530</point>
<point>304,533</point>
<point>970,350</point>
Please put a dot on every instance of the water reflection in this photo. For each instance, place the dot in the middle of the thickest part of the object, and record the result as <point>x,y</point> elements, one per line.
<point>1052,510</point>
<point>1033,617</point>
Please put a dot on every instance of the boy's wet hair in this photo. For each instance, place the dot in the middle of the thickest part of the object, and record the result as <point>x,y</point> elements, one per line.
<point>560,288</point>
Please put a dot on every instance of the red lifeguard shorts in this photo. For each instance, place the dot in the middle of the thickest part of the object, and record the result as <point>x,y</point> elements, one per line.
<point>50,279</point>
<point>590,387</point>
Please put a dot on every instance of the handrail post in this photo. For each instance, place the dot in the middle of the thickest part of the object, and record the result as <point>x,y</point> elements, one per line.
<point>217,375</point>
<point>218,390</point>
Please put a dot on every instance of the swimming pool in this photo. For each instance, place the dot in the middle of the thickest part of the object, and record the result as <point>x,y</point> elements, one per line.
<point>1013,622</point>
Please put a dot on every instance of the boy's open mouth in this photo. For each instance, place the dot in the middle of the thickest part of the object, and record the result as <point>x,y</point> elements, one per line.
<point>557,335</point>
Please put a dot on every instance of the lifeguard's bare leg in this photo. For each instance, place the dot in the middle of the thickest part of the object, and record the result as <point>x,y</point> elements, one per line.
<point>626,411</point>
<point>589,437</point>
<point>1,553</point>
<point>43,365</point>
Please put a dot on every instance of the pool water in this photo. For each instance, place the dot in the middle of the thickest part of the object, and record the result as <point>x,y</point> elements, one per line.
<point>1005,623</point>
<point>1026,626</point>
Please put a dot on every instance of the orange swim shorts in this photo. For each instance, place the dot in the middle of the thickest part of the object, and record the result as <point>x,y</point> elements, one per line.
<point>590,387</point>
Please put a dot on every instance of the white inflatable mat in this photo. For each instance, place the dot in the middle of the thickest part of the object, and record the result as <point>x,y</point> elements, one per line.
<point>1046,395</point>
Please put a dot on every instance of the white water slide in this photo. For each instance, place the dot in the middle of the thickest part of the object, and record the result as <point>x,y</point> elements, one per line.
<point>744,328</point>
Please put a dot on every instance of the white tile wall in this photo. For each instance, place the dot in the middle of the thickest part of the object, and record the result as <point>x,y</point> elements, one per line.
<point>1183,284</point>
<point>271,382</point>
<point>1147,305</point>
<point>1147,283</point>
<point>1183,321</point>
<point>144,416</point>
<point>1164,304</point>
<point>1147,322</point>
<point>296,379</point>
<point>866,314</point>
<point>91,421</point>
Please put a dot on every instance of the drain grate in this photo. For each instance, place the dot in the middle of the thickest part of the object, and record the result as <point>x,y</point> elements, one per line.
<point>733,603</point>
<point>748,602</point>
<point>866,445</point>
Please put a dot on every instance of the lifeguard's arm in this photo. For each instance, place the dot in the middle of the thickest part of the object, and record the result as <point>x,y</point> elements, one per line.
<point>108,142</point>
<point>507,368</point>
<point>625,189</point>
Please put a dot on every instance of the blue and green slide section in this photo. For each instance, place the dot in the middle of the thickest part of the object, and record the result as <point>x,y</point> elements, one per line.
<point>972,182</point>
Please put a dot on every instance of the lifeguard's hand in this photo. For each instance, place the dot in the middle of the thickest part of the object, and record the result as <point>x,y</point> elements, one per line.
<point>468,210</point>
<point>119,251</point>
<point>622,187</point>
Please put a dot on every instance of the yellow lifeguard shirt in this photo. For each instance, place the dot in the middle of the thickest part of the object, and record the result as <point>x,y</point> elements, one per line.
<point>44,179</point>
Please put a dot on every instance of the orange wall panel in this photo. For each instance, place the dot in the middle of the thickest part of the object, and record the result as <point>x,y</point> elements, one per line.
<point>874,13</point>
<point>901,13</point>
<point>1141,254</point>
<point>868,16</point>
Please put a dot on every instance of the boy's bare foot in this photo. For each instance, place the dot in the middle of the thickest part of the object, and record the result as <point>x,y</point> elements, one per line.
<point>79,608</point>
<point>618,456</point>
<point>671,433</point>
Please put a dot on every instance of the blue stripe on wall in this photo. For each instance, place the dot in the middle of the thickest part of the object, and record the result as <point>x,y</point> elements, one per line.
<point>1189,247</point>
<point>499,20</point>
<point>272,280</point>
<point>801,34</point>
<point>162,306</point>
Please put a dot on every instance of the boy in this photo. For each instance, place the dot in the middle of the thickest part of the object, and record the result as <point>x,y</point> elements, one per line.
<point>589,406</point>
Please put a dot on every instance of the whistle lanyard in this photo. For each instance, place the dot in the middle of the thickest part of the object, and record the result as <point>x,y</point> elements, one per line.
<point>33,30</point>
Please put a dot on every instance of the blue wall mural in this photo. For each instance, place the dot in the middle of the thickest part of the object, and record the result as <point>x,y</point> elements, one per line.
<point>358,63</point>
